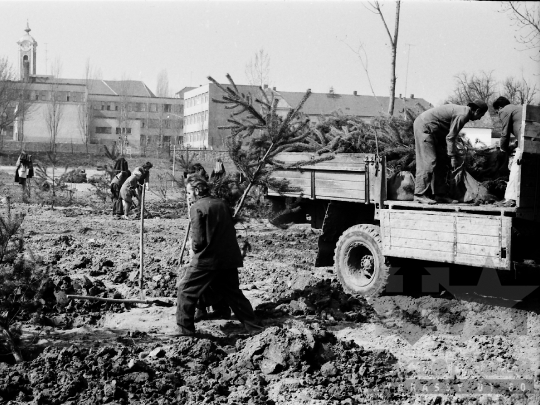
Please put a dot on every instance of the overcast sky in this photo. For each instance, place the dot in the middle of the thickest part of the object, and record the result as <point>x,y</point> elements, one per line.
<point>307,42</point>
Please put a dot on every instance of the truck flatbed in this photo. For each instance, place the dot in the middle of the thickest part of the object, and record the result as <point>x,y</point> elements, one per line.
<point>461,207</point>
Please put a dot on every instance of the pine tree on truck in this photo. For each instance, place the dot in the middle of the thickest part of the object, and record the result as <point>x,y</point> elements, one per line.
<point>364,230</point>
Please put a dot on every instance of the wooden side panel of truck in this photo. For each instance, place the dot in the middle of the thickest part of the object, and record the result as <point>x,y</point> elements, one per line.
<point>447,237</point>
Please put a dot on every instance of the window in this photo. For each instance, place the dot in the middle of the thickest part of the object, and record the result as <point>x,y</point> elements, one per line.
<point>102,105</point>
<point>153,107</point>
<point>43,94</point>
<point>142,107</point>
<point>67,97</point>
<point>123,131</point>
<point>167,108</point>
<point>129,107</point>
<point>103,130</point>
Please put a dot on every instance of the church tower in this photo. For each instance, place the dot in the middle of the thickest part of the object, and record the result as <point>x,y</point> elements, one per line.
<point>27,55</point>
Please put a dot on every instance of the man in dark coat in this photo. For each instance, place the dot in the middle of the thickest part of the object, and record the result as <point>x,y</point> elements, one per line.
<point>435,133</point>
<point>215,260</point>
<point>511,117</point>
<point>116,184</point>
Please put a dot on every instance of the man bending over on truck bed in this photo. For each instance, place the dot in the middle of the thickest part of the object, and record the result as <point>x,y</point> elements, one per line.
<point>510,116</point>
<point>435,133</point>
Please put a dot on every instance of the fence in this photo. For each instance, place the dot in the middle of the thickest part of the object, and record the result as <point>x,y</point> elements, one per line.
<point>10,150</point>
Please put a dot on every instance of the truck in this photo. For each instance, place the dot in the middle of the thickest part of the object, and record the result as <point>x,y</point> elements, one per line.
<point>363,232</point>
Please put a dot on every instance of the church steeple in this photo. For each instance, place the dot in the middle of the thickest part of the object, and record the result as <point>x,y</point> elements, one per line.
<point>27,54</point>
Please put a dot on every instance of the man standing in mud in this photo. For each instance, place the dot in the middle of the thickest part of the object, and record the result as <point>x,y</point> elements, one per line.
<point>215,260</point>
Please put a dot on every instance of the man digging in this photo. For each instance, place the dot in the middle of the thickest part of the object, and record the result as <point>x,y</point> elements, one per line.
<point>215,260</point>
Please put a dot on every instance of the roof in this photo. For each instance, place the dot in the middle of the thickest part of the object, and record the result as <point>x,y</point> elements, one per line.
<point>360,105</point>
<point>133,88</point>
<point>484,122</point>
<point>180,93</point>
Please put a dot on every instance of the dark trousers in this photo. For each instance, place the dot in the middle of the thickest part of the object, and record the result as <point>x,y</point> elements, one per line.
<point>118,208</point>
<point>196,281</point>
<point>431,160</point>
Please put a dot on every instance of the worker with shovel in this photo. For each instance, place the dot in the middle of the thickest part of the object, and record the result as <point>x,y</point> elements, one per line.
<point>435,133</point>
<point>215,260</point>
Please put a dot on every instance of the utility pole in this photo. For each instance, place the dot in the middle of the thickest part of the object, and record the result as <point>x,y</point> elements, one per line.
<point>407,74</point>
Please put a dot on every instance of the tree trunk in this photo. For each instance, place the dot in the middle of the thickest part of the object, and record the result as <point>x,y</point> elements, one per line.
<point>393,66</point>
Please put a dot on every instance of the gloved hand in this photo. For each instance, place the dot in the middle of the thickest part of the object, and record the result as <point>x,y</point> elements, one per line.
<point>454,162</point>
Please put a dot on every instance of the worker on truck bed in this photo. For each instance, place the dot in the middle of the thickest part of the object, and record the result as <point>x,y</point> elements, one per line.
<point>435,133</point>
<point>510,116</point>
<point>215,260</point>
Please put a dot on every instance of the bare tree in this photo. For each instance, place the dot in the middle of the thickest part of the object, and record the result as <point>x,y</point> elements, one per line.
<point>54,114</point>
<point>163,89</point>
<point>361,53</point>
<point>86,110</point>
<point>14,98</point>
<point>393,47</point>
<point>519,91</point>
<point>471,87</point>
<point>526,17</point>
<point>124,111</point>
<point>258,69</point>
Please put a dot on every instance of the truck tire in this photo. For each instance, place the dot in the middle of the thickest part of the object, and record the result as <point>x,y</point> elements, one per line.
<point>359,263</point>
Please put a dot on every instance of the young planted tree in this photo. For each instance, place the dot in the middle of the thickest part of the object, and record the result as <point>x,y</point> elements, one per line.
<point>124,112</point>
<point>54,113</point>
<point>86,109</point>
<point>376,6</point>
<point>259,133</point>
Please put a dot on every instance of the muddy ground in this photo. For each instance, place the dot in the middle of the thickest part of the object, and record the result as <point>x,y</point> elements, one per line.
<point>467,341</point>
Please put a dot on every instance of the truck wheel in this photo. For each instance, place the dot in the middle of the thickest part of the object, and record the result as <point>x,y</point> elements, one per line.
<point>359,263</point>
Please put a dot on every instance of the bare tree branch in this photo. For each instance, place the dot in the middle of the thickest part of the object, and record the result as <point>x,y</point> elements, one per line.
<point>526,16</point>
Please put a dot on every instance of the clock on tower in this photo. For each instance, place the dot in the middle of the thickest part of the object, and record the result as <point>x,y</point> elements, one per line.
<point>27,55</point>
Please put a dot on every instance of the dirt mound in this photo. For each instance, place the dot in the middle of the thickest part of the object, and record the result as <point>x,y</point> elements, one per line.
<point>262,369</point>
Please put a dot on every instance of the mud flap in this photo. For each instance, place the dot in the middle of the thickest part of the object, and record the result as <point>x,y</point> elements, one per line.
<point>339,217</point>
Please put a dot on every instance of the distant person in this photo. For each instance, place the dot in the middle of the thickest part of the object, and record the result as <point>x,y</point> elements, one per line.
<point>24,170</point>
<point>116,185</point>
<point>218,172</point>
<point>132,187</point>
<point>510,116</point>
<point>196,168</point>
<point>215,261</point>
<point>435,134</point>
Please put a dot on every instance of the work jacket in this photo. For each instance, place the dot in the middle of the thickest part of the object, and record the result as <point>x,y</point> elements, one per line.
<point>510,117</point>
<point>213,236</point>
<point>446,121</point>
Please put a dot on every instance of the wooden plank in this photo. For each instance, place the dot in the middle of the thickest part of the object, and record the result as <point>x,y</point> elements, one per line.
<point>338,184</point>
<point>346,195</point>
<point>325,166</point>
<point>492,251</point>
<point>478,220</point>
<point>437,246</point>
<point>471,229</point>
<point>290,174</point>
<point>345,176</point>
<point>478,240</point>
<point>532,113</point>
<point>442,208</point>
<point>420,254</point>
<point>481,261</point>
<point>422,235</point>
<point>420,225</point>
<point>418,215</point>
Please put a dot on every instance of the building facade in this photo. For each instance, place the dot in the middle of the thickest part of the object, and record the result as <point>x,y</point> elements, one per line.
<point>76,111</point>
<point>203,117</point>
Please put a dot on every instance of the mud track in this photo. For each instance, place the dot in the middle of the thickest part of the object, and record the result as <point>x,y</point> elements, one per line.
<point>320,345</point>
